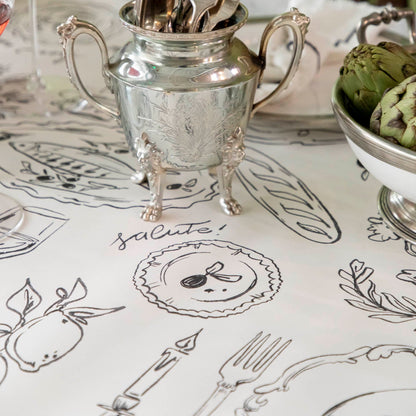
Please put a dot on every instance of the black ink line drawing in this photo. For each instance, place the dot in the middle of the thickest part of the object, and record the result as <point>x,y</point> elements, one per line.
<point>132,396</point>
<point>94,174</point>
<point>258,399</point>
<point>365,174</point>
<point>70,166</point>
<point>346,39</point>
<point>161,231</point>
<point>381,233</point>
<point>377,403</point>
<point>207,278</point>
<point>287,198</point>
<point>410,248</point>
<point>382,305</point>
<point>245,366</point>
<point>55,333</point>
<point>40,224</point>
<point>268,130</point>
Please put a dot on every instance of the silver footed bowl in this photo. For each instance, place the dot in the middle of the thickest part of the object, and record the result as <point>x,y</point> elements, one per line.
<point>392,165</point>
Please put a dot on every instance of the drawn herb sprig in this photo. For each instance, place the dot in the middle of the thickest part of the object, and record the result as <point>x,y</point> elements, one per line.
<point>382,305</point>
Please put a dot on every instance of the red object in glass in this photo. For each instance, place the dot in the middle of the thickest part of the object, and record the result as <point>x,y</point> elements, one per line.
<point>5,12</point>
<point>3,26</point>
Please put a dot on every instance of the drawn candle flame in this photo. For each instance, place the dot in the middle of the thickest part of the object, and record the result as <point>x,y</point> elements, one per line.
<point>187,344</point>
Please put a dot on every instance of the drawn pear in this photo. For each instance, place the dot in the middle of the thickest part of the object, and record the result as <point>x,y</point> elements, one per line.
<point>43,340</point>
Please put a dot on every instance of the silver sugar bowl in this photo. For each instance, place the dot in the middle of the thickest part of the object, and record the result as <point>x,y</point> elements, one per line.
<point>184,99</point>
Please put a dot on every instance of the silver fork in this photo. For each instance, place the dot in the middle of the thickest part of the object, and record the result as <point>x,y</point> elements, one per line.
<point>245,366</point>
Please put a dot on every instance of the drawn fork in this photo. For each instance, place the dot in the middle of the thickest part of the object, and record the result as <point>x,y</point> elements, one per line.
<point>245,366</point>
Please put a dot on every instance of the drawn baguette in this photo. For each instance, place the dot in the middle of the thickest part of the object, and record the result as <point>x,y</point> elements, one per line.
<point>287,198</point>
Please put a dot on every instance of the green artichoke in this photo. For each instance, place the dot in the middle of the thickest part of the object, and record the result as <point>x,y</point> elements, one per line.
<point>369,70</point>
<point>394,118</point>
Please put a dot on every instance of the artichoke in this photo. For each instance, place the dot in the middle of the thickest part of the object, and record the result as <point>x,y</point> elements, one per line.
<point>369,70</point>
<point>394,118</point>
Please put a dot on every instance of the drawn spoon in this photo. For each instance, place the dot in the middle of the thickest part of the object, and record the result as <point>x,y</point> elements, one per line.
<point>198,280</point>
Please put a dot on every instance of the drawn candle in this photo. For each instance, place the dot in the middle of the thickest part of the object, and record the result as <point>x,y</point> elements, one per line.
<point>133,394</point>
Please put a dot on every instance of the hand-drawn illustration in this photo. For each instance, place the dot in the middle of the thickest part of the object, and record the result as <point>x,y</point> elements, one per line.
<point>382,305</point>
<point>379,230</point>
<point>161,231</point>
<point>207,278</point>
<point>40,224</point>
<point>377,403</point>
<point>47,338</point>
<point>269,130</point>
<point>381,233</point>
<point>410,248</point>
<point>258,399</point>
<point>245,366</point>
<point>70,166</point>
<point>15,96</point>
<point>365,174</point>
<point>287,198</point>
<point>132,396</point>
<point>11,98</point>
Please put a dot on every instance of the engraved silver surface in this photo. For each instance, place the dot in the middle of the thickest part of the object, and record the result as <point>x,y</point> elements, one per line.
<point>398,213</point>
<point>188,94</point>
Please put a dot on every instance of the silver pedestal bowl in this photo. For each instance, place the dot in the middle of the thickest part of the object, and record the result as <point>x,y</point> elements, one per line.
<point>392,165</point>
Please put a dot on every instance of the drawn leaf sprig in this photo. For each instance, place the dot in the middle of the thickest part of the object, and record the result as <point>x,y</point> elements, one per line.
<point>24,301</point>
<point>382,305</point>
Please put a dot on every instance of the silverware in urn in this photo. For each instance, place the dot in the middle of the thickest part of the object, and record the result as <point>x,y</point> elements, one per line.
<point>164,82</point>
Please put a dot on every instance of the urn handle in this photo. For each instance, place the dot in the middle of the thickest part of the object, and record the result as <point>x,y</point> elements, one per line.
<point>387,16</point>
<point>298,23</point>
<point>68,32</point>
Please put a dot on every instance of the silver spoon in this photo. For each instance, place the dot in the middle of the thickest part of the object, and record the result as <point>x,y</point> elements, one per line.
<point>156,14</point>
<point>223,10</point>
<point>182,10</point>
<point>138,11</point>
<point>199,8</point>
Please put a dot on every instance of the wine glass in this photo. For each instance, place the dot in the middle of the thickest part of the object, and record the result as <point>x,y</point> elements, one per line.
<point>28,94</point>
<point>11,212</point>
<point>47,89</point>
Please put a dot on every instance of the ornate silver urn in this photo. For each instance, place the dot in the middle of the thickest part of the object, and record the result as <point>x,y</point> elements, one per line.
<point>184,99</point>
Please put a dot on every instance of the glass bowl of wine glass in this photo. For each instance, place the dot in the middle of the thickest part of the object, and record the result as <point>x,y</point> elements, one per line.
<point>11,212</point>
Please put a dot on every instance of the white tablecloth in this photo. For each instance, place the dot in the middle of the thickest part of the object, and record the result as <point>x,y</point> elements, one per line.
<point>95,315</point>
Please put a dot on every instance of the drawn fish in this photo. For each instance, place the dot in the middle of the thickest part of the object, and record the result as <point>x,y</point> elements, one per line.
<point>287,198</point>
<point>69,160</point>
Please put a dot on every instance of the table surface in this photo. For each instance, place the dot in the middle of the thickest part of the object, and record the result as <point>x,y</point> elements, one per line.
<point>95,318</point>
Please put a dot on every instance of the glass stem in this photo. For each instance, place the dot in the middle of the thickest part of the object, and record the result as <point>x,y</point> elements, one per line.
<point>36,81</point>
